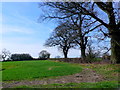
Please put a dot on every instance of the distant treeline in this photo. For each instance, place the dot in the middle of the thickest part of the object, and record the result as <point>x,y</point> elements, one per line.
<point>21,57</point>
<point>24,57</point>
<point>7,56</point>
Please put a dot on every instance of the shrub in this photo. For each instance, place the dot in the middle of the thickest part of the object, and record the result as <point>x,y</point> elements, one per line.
<point>92,55</point>
<point>19,57</point>
<point>43,55</point>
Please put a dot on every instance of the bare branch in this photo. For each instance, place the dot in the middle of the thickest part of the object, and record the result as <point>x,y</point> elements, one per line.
<point>92,29</point>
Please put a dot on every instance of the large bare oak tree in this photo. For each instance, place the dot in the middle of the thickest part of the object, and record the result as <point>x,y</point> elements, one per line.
<point>94,9</point>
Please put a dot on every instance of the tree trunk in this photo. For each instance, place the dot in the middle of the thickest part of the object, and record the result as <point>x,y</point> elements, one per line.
<point>83,53</point>
<point>65,51</point>
<point>65,54</point>
<point>115,47</point>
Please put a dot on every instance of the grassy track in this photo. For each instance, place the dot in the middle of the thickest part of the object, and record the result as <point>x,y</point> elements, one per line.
<point>27,70</point>
<point>106,84</point>
<point>109,71</point>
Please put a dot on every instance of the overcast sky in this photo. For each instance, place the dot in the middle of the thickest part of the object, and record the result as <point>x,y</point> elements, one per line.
<point>21,33</point>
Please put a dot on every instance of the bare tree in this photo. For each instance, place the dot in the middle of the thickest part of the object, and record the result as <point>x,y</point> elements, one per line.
<point>62,37</point>
<point>93,9</point>
<point>112,11</point>
<point>81,23</point>
<point>5,54</point>
<point>66,11</point>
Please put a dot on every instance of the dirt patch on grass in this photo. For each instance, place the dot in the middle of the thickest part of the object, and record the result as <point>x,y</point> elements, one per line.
<point>87,75</point>
<point>50,68</point>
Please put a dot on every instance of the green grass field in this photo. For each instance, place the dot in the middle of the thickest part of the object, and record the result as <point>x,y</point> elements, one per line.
<point>28,70</point>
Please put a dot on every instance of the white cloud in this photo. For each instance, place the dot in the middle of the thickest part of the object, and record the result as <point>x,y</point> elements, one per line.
<point>22,24</point>
<point>16,29</point>
<point>51,30</point>
<point>23,19</point>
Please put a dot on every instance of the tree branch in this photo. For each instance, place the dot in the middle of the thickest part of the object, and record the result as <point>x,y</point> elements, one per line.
<point>92,29</point>
<point>92,15</point>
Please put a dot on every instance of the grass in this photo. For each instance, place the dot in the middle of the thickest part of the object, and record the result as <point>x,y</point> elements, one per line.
<point>29,70</point>
<point>105,84</point>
